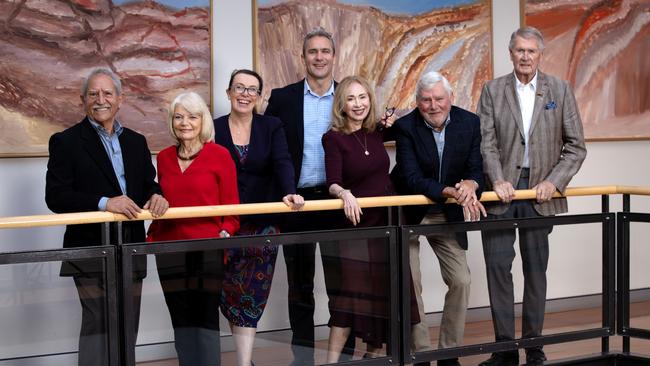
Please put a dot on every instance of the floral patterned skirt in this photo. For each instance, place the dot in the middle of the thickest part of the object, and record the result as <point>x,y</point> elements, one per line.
<point>247,278</point>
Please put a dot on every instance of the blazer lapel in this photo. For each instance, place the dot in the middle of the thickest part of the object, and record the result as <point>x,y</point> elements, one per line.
<point>540,93</point>
<point>428,143</point>
<point>299,105</point>
<point>451,136</point>
<point>513,102</point>
<point>129,155</point>
<point>93,145</point>
<point>230,144</point>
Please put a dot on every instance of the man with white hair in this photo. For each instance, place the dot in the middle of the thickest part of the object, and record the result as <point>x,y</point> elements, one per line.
<point>438,155</point>
<point>532,139</point>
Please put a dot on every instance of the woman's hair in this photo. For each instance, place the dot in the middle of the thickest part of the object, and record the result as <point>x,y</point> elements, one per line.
<point>194,104</point>
<point>339,118</point>
<point>247,72</point>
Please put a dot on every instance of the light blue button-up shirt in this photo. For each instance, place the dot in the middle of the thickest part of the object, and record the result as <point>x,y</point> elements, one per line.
<point>440,143</point>
<point>114,150</point>
<point>317,114</point>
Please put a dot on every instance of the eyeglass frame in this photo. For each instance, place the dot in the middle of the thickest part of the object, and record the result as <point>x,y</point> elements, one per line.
<point>245,90</point>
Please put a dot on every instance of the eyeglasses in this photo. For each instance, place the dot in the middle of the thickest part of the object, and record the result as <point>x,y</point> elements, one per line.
<point>240,89</point>
<point>389,111</point>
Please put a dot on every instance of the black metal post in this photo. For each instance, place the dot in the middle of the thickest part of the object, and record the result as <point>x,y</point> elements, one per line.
<point>395,294</point>
<point>605,203</point>
<point>626,203</point>
<point>609,279</point>
<point>112,306</point>
<point>623,271</point>
<point>405,357</point>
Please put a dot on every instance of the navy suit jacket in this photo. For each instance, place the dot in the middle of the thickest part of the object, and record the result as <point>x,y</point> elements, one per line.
<point>287,104</point>
<point>267,175</point>
<point>79,173</point>
<point>418,167</point>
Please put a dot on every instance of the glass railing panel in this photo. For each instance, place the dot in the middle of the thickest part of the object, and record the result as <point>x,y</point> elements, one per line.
<point>339,278</point>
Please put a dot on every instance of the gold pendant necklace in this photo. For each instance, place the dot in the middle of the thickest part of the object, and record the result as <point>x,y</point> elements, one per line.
<point>365,142</point>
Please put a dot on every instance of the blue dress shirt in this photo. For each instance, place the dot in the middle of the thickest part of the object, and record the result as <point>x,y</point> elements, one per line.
<point>440,143</point>
<point>114,150</point>
<point>317,112</point>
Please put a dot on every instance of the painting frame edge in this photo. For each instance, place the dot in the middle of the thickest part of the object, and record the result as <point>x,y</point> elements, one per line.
<point>46,154</point>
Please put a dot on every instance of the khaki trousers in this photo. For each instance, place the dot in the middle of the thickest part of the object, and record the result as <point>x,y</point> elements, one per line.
<point>456,275</point>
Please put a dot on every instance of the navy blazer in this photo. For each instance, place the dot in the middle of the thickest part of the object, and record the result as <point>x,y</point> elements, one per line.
<point>267,175</point>
<point>418,166</point>
<point>287,104</point>
<point>79,173</point>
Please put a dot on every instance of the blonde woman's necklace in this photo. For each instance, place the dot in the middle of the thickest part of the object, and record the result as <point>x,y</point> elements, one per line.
<point>365,142</point>
<point>187,158</point>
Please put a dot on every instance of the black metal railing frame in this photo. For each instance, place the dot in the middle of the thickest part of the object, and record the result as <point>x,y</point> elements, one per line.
<point>105,253</point>
<point>615,308</point>
<point>608,222</point>
<point>624,219</point>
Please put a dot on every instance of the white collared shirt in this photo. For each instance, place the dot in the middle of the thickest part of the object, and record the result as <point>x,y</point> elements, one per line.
<point>526,95</point>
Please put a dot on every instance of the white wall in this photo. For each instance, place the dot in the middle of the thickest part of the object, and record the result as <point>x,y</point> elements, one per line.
<point>575,254</point>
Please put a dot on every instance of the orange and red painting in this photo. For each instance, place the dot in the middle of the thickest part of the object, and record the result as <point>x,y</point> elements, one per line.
<point>601,48</point>
<point>389,42</point>
<point>158,48</point>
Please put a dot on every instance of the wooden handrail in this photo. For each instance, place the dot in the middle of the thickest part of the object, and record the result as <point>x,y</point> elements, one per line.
<point>279,207</point>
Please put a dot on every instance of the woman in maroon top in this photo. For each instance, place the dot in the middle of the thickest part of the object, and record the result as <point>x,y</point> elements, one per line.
<point>194,172</point>
<point>357,165</point>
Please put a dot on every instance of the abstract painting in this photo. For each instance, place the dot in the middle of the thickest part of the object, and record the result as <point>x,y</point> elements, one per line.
<point>601,48</point>
<point>391,43</point>
<point>158,48</point>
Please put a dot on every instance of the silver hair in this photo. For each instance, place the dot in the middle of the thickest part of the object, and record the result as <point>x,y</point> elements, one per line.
<point>102,71</point>
<point>318,32</point>
<point>194,104</point>
<point>527,33</point>
<point>428,80</point>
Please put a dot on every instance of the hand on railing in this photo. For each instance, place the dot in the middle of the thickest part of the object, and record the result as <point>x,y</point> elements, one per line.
<point>157,205</point>
<point>295,201</point>
<point>544,191</point>
<point>473,211</point>
<point>504,191</point>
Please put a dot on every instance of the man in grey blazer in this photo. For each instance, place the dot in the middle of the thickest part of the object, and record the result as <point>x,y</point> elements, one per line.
<point>531,139</point>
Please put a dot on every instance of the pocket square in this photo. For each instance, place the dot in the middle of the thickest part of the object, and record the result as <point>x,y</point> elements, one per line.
<point>550,105</point>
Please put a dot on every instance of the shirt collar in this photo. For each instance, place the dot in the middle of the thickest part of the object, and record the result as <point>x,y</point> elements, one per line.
<point>117,127</point>
<point>307,90</point>
<point>519,84</point>
<point>443,126</point>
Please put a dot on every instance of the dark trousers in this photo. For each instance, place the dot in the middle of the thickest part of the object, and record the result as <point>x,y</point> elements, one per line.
<point>499,253</point>
<point>93,337</point>
<point>191,284</point>
<point>300,261</point>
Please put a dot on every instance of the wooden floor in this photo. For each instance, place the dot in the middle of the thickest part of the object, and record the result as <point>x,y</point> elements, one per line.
<point>480,332</point>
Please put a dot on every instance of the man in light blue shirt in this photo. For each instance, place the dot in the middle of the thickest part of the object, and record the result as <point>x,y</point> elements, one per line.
<point>305,108</point>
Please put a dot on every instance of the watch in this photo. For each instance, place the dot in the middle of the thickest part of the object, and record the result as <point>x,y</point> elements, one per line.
<point>224,234</point>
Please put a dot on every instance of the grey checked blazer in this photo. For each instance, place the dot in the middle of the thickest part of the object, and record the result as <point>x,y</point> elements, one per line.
<point>556,146</point>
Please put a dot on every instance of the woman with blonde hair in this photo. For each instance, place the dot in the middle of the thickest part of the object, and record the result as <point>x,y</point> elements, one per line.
<point>194,172</point>
<point>357,165</point>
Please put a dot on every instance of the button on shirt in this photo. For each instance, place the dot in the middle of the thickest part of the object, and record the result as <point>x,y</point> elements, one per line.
<point>317,113</point>
<point>114,150</point>
<point>526,96</point>
<point>439,137</point>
